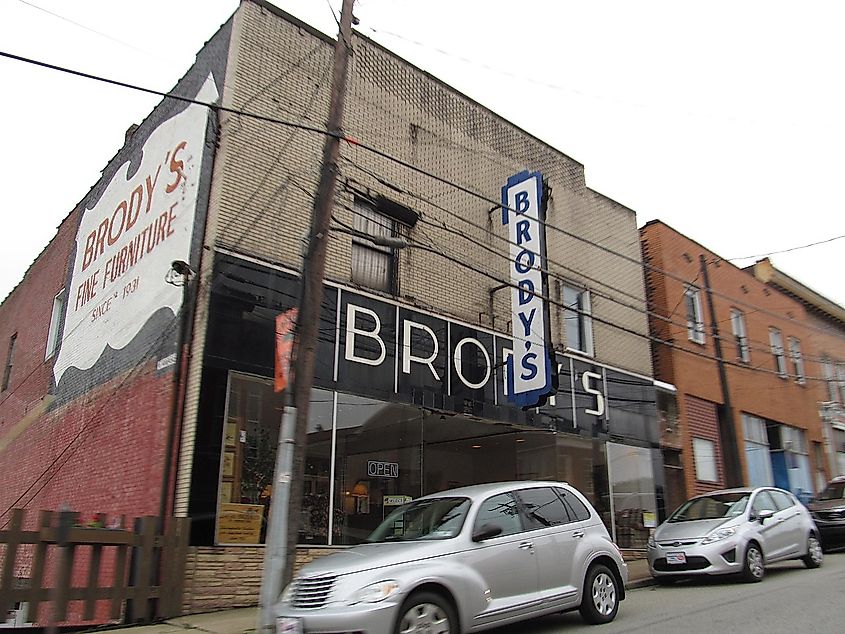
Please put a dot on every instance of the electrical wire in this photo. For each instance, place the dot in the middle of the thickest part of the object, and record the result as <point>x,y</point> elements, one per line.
<point>356,143</point>
<point>545,269</point>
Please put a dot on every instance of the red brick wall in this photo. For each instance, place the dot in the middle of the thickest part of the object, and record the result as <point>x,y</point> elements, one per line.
<point>26,311</point>
<point>102,451</point>
<point>692,368</point>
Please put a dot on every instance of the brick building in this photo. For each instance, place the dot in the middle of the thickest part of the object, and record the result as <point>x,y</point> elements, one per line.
<point>826,344</point>
<point>752,419</point>
<point>411,392</point>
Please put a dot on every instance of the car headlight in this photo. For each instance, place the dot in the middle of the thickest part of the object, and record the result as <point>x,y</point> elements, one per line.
<point>718,535</point>
<point>287,593</point>
<point>651,542</point>
<point>375,592</point>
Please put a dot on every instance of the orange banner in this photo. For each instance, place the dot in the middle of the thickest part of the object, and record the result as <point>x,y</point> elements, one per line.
<point>285,324</point>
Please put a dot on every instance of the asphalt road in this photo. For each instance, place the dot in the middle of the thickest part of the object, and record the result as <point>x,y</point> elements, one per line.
<point>789,599</point>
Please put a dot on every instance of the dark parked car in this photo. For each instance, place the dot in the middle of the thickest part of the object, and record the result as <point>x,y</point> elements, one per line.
<point>828,510</point>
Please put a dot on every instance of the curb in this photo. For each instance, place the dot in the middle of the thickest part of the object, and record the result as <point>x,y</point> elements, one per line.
<point>641,583</point>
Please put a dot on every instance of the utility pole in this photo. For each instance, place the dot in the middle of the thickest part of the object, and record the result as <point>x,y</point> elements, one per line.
<point>287,484</point>
<point>727,425</point>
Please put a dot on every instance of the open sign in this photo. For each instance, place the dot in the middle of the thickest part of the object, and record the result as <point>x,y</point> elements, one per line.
<point>378,469</point>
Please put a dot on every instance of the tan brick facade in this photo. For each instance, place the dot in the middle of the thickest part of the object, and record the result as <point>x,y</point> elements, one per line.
<point>261,201</point>
<point>226,577</point>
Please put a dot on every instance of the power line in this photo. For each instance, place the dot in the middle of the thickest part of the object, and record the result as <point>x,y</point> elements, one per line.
<point>355,143</point>
<point>803,246</point>
<point>385,155</point>
<point>552,301</point>
<point>88,28</point>
<point>544,269</point>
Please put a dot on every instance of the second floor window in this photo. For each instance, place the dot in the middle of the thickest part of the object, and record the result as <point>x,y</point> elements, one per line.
<point>55,324</point>
<point>373,265</point>
<point>10,361</point>
<point>776,344</point>
<point>577,321</point>
<point>834,376</point>
<point>797,359</point>
<point>740,337</point>
<point>695,316</point>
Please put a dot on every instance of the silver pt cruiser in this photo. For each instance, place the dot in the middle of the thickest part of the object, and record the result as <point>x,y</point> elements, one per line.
<point>464,560</point>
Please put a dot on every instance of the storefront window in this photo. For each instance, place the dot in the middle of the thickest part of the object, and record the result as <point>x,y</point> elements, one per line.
<point>250,435</point>
<point>632,490</point>
<point>248,461</point>
<point>366,457</point>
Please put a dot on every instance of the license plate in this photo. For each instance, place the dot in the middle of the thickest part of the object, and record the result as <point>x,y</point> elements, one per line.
<point>288,625</point>
<point>676,558</point>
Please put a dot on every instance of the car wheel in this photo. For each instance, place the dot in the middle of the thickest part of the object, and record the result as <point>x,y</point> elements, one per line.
<point>754,568</point>
<point>600,597</point>
<point>429,613</point>
<point>814,556</point>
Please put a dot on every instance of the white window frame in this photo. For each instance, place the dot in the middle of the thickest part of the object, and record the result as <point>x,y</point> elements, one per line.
<point>55,324</point>
<point>797,360</point>
<point>740,335</point>
<point>776,345</point>
<point>584,315</point>
<point>706,469</point>
<point>695,321</point>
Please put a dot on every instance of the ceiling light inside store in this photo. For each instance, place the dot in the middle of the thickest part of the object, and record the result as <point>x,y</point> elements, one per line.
<point>476,446</point>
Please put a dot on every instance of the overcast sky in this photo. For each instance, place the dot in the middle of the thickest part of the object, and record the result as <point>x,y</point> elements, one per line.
<point>724,119</point>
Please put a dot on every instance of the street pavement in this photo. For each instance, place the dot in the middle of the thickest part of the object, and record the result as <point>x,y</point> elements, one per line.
<point>791,599</point>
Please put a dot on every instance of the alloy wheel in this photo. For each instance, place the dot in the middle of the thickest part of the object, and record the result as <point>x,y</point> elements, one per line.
<point>604,593</point>
<point>815,550</point>
<point>425,618</point>
<point>755,562</point>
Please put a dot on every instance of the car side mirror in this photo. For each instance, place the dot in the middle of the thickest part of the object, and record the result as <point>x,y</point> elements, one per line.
<point>765,515</point>
<point>486,531</point>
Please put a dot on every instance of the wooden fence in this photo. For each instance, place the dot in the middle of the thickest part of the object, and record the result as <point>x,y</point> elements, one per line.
<point>144,576</point>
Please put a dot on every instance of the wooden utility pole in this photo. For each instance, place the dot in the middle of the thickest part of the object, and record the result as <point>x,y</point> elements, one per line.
<point>287,482</point>
<point>727,423</point>
<point>313,272</point>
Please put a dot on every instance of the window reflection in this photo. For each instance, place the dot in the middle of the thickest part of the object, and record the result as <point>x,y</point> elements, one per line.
<point>366,458</point>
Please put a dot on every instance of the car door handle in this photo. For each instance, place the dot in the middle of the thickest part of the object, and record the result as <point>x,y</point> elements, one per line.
<point>577,534</point>
<point>526,545</point>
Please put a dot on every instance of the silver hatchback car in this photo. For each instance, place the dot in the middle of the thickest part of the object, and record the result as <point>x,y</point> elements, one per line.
<point>734,531</point>
<point>462,561</point>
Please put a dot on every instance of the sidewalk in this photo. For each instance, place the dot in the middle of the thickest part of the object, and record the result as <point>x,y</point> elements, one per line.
<point>243,620</point>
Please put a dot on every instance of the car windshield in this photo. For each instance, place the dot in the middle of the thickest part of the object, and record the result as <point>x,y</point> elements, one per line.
<point>711,507</point>
<point>833,491</point>
<point>431,518</point>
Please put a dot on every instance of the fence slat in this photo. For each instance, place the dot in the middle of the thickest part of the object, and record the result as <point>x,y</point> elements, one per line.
<point>143,565</point>
<point>65,569</point>
<point>177,564</point>
<point>93,582</point>
<point>8,576</point>
<point>37,577</point>
<point>154,587</point>
<point>119,582</point>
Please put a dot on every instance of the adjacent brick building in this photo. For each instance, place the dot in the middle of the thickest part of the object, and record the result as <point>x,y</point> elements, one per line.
<point>756,421</point>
